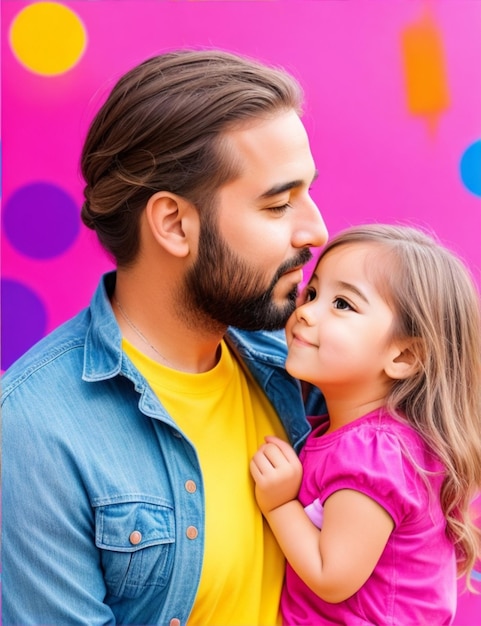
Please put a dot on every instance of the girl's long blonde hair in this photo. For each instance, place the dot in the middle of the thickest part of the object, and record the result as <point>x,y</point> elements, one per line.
<point>435,301</point>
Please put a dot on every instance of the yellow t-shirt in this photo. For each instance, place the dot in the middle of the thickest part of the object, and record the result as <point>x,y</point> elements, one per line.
<point>226,416</point>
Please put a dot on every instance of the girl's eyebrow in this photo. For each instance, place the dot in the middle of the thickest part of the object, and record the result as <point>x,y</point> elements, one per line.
<point>349,287</point>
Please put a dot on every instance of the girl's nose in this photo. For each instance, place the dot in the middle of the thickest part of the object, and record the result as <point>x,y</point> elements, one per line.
<point>304,313</point>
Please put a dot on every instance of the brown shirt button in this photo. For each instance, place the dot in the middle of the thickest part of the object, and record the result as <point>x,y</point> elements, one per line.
<point>135,537</point>
<point>191,532</point>
<point>190,486</point>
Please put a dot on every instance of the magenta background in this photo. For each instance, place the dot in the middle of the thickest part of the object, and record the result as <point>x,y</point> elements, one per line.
<point>377,162</point>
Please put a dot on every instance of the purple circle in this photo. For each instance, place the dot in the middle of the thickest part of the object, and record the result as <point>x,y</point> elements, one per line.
<point>24,320</point>
<point>41,220</point>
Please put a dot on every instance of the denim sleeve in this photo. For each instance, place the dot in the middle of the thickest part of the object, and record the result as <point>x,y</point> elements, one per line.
<point>51,571</point>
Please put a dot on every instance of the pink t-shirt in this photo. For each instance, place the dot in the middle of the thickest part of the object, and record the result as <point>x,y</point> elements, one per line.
<point>414,582</point>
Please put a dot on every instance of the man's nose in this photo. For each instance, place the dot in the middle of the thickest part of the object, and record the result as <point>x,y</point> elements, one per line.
<point>311,229</point>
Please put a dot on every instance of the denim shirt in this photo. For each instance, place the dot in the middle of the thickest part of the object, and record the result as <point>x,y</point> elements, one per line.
<point>103,501</point>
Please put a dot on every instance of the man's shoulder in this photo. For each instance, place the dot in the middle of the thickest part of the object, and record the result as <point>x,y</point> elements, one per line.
<point>48,353</point>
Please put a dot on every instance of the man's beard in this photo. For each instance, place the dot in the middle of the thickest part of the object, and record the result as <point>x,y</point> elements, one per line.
<point>227,291</point>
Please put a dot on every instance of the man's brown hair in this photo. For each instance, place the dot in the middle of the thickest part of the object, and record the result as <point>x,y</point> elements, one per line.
<point>161,129</point>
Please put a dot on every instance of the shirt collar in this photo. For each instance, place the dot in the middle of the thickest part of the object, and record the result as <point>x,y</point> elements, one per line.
<point>103,342</point>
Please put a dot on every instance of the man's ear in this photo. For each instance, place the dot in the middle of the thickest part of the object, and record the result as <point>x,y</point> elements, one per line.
<point>172,221</point>
<point>404,359</point>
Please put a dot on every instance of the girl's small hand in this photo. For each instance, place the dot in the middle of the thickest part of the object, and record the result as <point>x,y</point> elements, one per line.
<point>277,473</point>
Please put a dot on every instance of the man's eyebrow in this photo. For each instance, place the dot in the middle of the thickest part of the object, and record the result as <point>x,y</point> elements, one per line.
<point>283,187</point>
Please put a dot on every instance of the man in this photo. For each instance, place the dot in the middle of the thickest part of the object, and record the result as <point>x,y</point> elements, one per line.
<point>129,430</point>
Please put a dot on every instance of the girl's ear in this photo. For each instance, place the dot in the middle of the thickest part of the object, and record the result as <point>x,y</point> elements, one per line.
<point>404,359</point>
<point>173,222</point>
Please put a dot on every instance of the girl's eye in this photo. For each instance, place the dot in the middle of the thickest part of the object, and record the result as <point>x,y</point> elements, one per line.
<point>309,294</point>
<point>343,305</point>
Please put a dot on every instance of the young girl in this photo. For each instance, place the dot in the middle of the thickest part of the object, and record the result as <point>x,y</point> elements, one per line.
<point>376,520</point>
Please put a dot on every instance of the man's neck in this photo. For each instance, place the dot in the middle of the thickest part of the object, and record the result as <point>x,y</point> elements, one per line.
<point>149,319</point>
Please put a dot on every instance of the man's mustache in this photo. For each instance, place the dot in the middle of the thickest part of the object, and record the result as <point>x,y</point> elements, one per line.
<point>304,256</point>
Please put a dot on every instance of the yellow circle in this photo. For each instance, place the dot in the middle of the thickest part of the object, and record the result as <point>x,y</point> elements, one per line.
<point>47,38</point>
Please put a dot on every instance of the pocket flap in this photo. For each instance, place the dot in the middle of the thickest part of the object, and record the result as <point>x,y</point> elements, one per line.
<point>130,526</point>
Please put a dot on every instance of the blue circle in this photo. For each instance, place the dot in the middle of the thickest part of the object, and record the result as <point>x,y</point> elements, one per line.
<point>41,220</point>
<point>470,168</point>
<point>24,320</point>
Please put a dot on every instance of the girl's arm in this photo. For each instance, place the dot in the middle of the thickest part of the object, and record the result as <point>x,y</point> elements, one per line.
<point>335,562</point>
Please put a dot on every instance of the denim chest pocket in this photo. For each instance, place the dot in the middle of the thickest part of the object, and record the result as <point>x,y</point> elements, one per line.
<point>136,540</point>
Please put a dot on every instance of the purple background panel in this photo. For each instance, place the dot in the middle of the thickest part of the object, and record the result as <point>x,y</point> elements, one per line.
<point>23,319</point>
<point>40,220</point>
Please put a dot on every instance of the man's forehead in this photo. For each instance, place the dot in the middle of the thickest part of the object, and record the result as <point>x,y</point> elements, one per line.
<point>277,126</point>
<point>272,154</point>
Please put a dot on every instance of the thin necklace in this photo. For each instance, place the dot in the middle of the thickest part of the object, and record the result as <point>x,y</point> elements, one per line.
<point>139,332</point>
